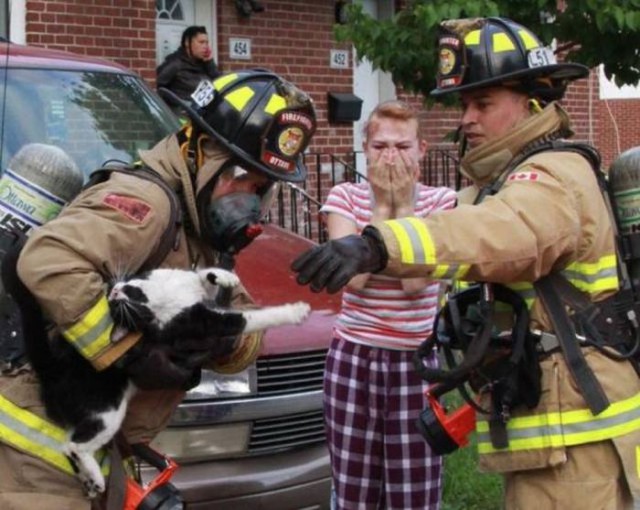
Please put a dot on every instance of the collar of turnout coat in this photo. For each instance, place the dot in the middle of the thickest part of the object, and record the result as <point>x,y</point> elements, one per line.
<point>486,162</point>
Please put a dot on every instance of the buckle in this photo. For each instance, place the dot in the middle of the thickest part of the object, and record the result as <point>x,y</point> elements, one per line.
<point>548,342</point>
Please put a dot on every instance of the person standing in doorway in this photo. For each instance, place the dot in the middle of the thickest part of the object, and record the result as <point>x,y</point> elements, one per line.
<point>185,68</point>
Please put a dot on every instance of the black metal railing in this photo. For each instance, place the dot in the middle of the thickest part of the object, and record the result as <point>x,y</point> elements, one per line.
<point>297,206</point>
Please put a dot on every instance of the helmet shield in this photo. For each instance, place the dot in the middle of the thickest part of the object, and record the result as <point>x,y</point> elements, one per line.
<point>262,119</point>
<point>480,52</point>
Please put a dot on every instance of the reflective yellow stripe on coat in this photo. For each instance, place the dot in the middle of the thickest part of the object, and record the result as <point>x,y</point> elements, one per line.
<point>417,247</point>
<point>568,428</point>
<point>31,434</point>
<point>92,333</point>
<point>594,277</point>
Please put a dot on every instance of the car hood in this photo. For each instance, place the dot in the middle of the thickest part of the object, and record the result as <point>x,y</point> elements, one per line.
<point>264,269</point>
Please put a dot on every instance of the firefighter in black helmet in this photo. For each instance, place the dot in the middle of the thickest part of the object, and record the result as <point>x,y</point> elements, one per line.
<point>533,220</point>
<point>262,124</point>
<point>208,186</point>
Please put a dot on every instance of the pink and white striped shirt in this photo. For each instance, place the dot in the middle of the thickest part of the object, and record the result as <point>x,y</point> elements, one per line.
<point>382,314</point>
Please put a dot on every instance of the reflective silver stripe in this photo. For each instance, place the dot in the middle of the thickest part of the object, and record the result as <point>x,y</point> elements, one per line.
<point>419,255</point>
<point>83,342</point>
<point>567,428</point>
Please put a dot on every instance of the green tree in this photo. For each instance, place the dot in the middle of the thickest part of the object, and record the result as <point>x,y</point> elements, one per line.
<point>591,32</point>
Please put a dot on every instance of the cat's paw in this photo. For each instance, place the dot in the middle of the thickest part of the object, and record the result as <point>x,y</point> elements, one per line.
<point>299,311</point>
<point>88,471</point>
<point>220,277</point>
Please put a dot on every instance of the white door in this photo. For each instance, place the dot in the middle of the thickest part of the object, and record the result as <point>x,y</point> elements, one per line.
<point>369,85</point>
<point>173,16</point>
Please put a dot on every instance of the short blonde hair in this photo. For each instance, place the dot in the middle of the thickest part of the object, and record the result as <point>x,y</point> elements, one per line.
<point>393,109</point>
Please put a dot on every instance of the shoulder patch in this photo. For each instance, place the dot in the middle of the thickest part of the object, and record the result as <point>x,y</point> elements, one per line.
<point>132,208</point>
<point>524,176</point>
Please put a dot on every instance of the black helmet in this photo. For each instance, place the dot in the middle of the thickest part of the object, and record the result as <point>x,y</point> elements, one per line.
<point>261,118</point>
<point>479,52</point>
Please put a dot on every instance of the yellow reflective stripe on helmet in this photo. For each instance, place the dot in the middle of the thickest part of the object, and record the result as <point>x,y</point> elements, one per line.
<point>472,38</point>
<point>568,428</point>
<point>275,104</point>
<point>414,240</point>
<point>224,80</point>
<point>92,333</point>
<point>36,436</point>
<point>528,39</point>
<point>502,42</point>
<point>594,277</point>
<point>240,97</point>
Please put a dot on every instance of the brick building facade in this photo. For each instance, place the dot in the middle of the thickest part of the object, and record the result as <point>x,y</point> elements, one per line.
<point>293,38</point>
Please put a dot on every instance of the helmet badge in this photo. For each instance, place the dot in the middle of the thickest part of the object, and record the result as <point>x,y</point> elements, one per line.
<point>287,137</point>
<point>451,61</point>
<point>290,140</point>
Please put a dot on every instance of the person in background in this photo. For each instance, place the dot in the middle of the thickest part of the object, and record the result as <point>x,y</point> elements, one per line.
<point>372,395</point>
<point>534,221</point>
<point>185,68</point>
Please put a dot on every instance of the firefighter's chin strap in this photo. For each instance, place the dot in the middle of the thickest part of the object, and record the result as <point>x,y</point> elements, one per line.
<point>190,142</point>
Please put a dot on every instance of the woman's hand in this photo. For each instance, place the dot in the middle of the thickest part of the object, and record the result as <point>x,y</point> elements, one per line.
<point>379,174</point>
<point>403,173</point>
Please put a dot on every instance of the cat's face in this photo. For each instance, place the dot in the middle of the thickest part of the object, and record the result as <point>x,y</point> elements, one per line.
<point>155,297</point>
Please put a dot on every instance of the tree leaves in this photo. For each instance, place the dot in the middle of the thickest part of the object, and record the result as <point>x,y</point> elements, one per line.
<point>591,32</point>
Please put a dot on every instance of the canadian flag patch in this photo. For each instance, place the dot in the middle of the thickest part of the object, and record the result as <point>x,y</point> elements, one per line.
<point>524,176</point>
<point>132,208</point>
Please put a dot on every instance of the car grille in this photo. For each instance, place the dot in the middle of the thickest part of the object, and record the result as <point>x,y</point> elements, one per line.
<point>291,373</point>
<point>289,431</point>
<point>281,375</point>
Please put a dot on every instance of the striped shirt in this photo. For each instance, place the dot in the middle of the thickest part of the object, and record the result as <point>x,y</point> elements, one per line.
<point>382,314</point>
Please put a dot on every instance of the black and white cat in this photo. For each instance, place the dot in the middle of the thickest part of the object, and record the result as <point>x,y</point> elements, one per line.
<point>164,304</point>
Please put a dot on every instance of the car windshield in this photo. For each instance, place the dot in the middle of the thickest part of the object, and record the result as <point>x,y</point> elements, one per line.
<point>95,117</point>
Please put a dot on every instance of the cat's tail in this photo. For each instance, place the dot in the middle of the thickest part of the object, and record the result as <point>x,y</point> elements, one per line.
<point>34,326</point>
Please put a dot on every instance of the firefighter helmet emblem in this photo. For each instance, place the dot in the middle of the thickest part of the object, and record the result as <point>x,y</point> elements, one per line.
<point>290,140</point>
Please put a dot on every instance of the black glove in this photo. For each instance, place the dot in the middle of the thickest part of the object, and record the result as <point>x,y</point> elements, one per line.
<point>153,367</point>
<point>334,263</point>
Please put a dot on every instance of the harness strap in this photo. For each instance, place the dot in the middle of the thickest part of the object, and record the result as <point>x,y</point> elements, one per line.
<point>547,289</point>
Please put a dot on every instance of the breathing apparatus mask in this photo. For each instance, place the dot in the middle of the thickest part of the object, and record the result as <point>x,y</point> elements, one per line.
<point>482,358</point>
<point>230,221</point>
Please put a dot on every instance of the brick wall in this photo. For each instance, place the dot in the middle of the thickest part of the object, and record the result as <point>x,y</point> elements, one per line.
<point>294,39</point>
<point>119,30</point>
<point>618,127</point>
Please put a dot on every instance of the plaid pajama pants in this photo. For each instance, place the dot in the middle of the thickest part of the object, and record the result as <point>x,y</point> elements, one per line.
<point>379,460</point>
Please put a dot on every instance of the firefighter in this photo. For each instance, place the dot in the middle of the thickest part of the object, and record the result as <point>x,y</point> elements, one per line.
<point>528,214</point>
<point>248,130</point>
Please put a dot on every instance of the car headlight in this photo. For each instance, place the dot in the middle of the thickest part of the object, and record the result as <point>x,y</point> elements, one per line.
<point>194,444</point>
<point>216,396</point>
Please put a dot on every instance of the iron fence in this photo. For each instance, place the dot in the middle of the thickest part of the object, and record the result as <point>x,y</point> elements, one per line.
<point>297,206</point>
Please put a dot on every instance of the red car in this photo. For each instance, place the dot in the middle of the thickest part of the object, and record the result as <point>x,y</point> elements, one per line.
<point>251,440</point>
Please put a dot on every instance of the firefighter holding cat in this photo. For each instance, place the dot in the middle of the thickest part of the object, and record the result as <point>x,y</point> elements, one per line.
<point>210,185</point>
<point>534,209</point>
